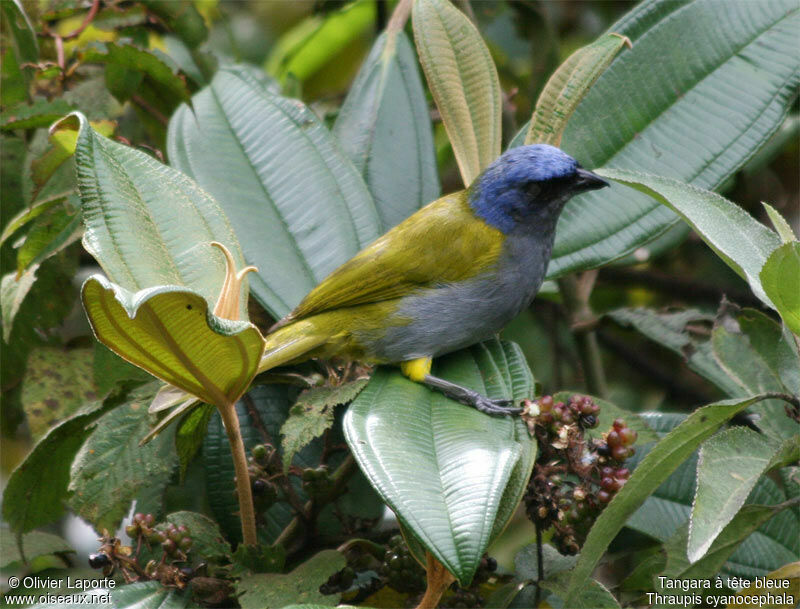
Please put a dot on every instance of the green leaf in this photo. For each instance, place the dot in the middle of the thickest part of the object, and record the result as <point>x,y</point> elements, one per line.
<point>464,461</point>
<point>111,468</point>
<point>51,232</point>
<point>63,139</point>
<point>23,34</point>
<point>781,279</point>
<point>672,330</point>
<point>526,562</point>
<point>311,45</point>
<point>568,85</point>
<point>779,222</point>
<point>281,178</point>
<point>41,113</point>
<point>208,543</point>
<point>384,128</point>
<point>669,507</point>
<point>312,415</point>
<point>13,290</point>
<point>109,370</point>
<point>679,120</point>
<point>182,18</point>
<point>589,594</point>
<point>134,226</point>
<point>37,489</point>
<point>734,341</point>
<point>463,80</point>
<point>143,595</point>
<point>742,242</point>
<point>28,214</point>
<point>258,559</point>
<point>125,61</point>
<point>746,521</point>
<point>169,332</point>
<point>659,463</point>
<point>190,434</point>
<point>773,583</point>
<point>34,544</point>
<point>729,467</point>
<point>299,586</point>
<point>57,382</point>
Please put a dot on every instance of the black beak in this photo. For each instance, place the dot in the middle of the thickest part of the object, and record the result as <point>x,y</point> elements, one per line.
<point>586,180</point>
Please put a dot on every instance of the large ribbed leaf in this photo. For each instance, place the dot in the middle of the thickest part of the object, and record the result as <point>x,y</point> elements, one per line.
<point>451,474</point>
<point>705,84</point>
<point>568,85</point>
<point>742,242</point>
<point>384,128</point>
<point>148,224</point>
<point>297,204</point>
<point>463,80</point>
<point>169,332</point>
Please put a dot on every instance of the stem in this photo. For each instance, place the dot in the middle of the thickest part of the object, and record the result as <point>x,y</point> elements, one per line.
<point>295,528</point>
<point>246,511</point>
<point>439,578</point>
<point>539,565</point>
<point>575,293</point>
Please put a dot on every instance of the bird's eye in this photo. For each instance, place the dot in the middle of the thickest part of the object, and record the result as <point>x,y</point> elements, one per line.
<point>533,189</point>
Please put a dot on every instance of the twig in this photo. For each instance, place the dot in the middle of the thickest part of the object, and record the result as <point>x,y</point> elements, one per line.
<point>244,492</point>
<point>539,565</point>
<point>676,286</point>
<point>575,293</point>
<point>439,578</point>
<point>340,478</point>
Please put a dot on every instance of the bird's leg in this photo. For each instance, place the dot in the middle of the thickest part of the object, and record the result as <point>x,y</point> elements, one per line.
<point>470,397</point>
<point>418,370</point>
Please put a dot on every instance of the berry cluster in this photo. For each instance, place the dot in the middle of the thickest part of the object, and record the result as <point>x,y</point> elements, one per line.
<point>317,482</point>
<point>579,409</point>
<point>175,540</point>
<point>263,466</point>
<point>401,570</point>
<point>619,441</point>
<point>574,476</point>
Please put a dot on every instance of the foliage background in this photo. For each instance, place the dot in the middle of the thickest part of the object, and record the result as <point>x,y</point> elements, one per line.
<point>49,350</point>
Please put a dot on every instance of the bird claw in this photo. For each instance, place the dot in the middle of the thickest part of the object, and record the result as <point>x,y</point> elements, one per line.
<point>496,407</point>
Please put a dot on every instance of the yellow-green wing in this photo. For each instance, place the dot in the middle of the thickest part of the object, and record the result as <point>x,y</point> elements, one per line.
<point>440,243</point>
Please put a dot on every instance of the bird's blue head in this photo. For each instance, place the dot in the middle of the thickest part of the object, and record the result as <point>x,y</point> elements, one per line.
<point>527,185</point>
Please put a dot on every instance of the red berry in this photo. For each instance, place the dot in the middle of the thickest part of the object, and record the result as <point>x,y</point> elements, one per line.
<point>619,423</point>
<point>138,517</point>
<point>613,439</point>
<point>546,403</point>
<point>619,453</point>
<point>607,484</point>
<point>618,483</point>
<point>623,473</point>
<point>603,496</point>
<point>607,472</point>
<point>567,418</point>
<point>169,546</point>
<point>627,436</point>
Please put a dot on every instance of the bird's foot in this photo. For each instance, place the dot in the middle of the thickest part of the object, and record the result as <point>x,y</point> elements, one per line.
<point>495,407</point>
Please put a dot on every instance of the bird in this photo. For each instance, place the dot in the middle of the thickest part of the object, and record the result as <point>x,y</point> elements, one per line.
<point>450,275</point>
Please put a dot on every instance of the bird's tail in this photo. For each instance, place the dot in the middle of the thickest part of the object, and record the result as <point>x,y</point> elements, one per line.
<point>289,344</point>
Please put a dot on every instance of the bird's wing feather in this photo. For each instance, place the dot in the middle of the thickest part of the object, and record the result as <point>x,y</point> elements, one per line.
<point>441,243</point>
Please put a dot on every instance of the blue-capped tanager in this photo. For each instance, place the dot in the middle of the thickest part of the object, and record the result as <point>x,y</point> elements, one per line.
<point>450,275</point>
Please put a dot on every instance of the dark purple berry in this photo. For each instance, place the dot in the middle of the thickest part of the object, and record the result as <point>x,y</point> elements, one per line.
<point>98,561</point>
